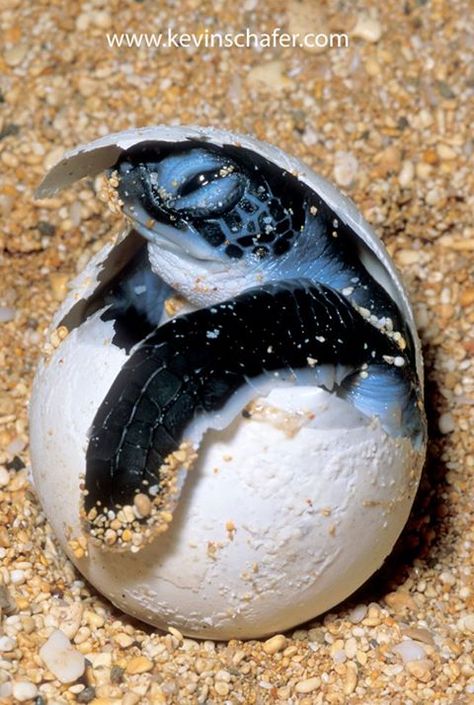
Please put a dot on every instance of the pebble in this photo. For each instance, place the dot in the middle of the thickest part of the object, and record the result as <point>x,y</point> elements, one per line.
<point>139,664</point>
<point>7,643</point>
<point>124,640</point>
<point>142,504</point>
<point>7,314</point>
<point>302,15</point>
<point>447,578</point>
<point>82,21</point>
<point>100,659</point>
<point>350,647</point>
<point>350,680</point>
<point>425,117</point>
<point>420,669</point>
<point>17,445</point>
<point>466,624</point>
<point>428,219</point>
<point>275,644</point>
<point>408,257</point>
<point>24,690</point>
<point>374,616</point>
<point>7,604</point>
<point>423,171</point>
<point>388,161</point>
<point>86,695</point>
<point>61,658</point>
<point>58,283</point>
<point>94,620</point>
<point>101,18</point>
<point>17,577</point>
<point>4,477</point>
<point>445,152</point>
<point>7,404</point>
<point>176,633</point>
<point>357,613</point>
<point>434,197</point>
<point>467,297</point>
<point>419,634</point>
<point>372,67</point>
<point>70,616</point>
<point>6,689</point>
<point>345,168</point>
<point>20,478</point>
<point>406,174</point>
<point>269,75</point>
<point>131,698</point>
<point>223,676</point>
<point>446,423</point>
<point>116,674</point>
<point>367,28</point>
<point>221,688</point>
<point>14,56</point>
<point>400,601</point>
<point>308,685</point>
<point>409,650</point>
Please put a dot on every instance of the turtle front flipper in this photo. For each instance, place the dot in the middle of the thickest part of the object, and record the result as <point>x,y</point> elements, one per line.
<point>197,371</point>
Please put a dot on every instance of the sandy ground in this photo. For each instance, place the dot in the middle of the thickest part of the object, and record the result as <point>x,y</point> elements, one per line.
<point>388,120</point>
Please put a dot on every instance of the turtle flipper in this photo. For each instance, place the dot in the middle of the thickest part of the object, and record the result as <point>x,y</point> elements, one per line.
<point>181,379</point>
<point>135,300</point>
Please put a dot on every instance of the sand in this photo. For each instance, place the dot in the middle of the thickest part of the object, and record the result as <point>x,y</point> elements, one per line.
<point>388,120</point>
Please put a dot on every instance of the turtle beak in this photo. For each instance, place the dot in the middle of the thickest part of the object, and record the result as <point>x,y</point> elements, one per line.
<point>177,236</point>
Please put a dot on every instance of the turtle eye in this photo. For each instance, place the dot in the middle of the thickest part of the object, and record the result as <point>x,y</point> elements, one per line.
<point>209,194</point>
<point>194,184</point>
<point>198,181</point>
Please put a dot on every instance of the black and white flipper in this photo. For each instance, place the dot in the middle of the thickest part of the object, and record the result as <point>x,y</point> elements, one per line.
<point>185,377</point>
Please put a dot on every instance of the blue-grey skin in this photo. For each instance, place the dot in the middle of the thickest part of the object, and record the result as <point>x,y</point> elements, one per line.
<point>231,205</point>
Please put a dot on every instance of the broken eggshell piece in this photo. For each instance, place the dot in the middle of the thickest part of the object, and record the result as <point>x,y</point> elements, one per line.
<point>289,507</point>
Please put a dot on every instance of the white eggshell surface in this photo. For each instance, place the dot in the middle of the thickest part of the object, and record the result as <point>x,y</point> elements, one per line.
<point>272,528</point>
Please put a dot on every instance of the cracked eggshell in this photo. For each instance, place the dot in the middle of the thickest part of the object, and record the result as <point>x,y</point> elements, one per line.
<point>273,527</point>
<point>101,154</point>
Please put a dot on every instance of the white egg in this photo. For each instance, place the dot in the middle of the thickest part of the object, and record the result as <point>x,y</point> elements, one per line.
<point>285,512</point>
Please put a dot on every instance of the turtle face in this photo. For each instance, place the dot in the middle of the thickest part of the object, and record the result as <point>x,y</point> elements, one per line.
<point>207,203</point>
<point>223,218</point>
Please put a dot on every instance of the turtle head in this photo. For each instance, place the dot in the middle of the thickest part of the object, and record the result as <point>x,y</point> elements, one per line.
<point>205,202</point>
<point>218,213</point>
